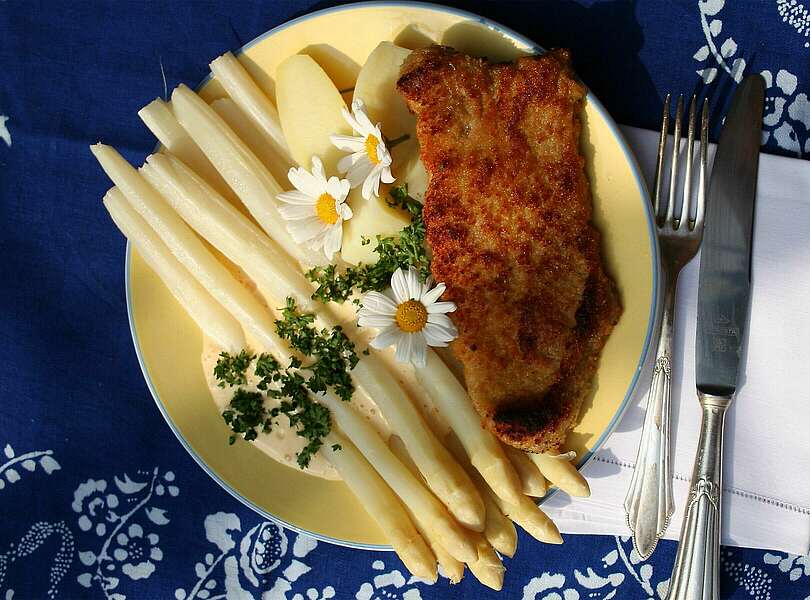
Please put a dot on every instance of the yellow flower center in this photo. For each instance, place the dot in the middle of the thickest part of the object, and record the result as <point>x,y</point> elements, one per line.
<point>371,149</point>
<point>411,316</point>
<point>325,209</point>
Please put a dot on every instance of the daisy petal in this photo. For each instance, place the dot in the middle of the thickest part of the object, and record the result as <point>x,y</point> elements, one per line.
<point>379,303</point>
<point>430,296</point>
<point>345,163</point>
<point>434,339</point>
<point>348,143</point>
<point>399,285</point>
<point>371,185</point>
<point>317,169</point>
<point>445,323</point>
<point>347,116</point>
<point>377,320</point>
<point>418,350</point>
<point>333,188</point>
<point>345,187</point>
<point>345,212</point>
<point>414,285</point>
<point>386,176</point>
<point>387,337</point>
<point>441,307</point>
<point>296,212</point>
<point>404,348</point>
<point>359,173</point>
<point>296,197</point>
<point>365,123</point>
<point>437,335</point>
<point>305,182</point>
<point>307,229</point>
<point>333,239</point>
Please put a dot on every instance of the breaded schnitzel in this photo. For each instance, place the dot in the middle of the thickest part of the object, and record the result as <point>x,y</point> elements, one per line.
<point>507,214</point>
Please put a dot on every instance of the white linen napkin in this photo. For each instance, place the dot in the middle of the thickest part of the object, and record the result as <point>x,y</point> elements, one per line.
<point>767,451</point>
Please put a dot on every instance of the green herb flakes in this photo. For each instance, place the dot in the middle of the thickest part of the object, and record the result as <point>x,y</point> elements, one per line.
<point>403,251</point>
<point>230,370</point>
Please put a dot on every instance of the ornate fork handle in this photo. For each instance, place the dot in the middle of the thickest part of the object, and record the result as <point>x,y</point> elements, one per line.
<point>649,504</point>
<point>695,575</point>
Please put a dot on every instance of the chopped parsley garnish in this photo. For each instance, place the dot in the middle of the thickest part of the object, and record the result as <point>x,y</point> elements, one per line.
<point>230,370</point>
<point>246,415</point>
<point>330,357</point>
<point>333,353</point>
<point>402,251</point>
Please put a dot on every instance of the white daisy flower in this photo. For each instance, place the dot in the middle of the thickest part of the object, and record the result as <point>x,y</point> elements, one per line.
<point>409,316</point>
<point>315,211</point>
<point>369,161</point>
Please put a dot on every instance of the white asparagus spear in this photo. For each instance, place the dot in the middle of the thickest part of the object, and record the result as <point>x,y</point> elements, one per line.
<point>250,98</point>
<point>237,164</point>
<point>187,247</point>
<point>453,569</point>
<point>223,226</point>
<point>209,315</point>
<point>255,138</point>
<point>231,233</point>
<point>382,505</point>
<point>360,431</point>
<point>525,512</point>
<point>560,471</point>
<point>499,530</point>
<point>533,520</point>
<point>531,479</point>
<point>450,534</point>
<point>484,450</point>
<point>487,567</point>
<point>158,117</point>
<point>239,167</point>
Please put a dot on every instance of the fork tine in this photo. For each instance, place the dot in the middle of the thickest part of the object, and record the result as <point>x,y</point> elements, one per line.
<point>704,143</point>
<point>673,168</point>
<point>687,183</point>
<point>659,168</point>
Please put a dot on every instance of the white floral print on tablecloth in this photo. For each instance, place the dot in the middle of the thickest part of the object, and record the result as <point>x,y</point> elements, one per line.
<point>786,122</point>
<point>15,464</point>
<point>124,520</point>
<point>262,563</point>
<point>5,135</point>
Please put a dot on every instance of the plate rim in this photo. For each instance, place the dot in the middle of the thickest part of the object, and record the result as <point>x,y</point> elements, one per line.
<point>654,247</point>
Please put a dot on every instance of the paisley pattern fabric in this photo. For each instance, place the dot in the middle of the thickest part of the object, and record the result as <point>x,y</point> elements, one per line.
<point>98,498</point>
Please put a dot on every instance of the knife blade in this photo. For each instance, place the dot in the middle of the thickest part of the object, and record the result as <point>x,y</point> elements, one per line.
<point>724,287</point>
<point>724,291</point>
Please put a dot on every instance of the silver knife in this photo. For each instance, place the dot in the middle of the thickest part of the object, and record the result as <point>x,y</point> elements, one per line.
<point>724,293</point>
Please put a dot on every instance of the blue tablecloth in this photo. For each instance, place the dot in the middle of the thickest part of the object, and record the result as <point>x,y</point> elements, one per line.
<point>98,499</point>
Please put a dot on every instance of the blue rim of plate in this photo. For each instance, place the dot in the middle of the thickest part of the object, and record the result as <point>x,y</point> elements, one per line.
<point>629,157</point>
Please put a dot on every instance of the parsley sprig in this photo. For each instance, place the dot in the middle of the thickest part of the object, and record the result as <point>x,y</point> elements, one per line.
<point>329,354</point>
<point>230,369</point>
<point>333,353</point>
<point>407,249</point>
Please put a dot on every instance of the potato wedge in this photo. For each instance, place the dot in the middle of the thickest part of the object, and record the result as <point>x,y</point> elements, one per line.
<point>309,107</point>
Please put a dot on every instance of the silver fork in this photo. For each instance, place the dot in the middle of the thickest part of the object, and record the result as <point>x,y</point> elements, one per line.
<point>648,504</point>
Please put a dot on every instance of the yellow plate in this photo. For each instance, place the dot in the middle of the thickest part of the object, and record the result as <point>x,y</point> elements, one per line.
<point>168,343</point>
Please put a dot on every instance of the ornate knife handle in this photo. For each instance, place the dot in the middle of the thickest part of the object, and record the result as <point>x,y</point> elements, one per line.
<point>695,575</point>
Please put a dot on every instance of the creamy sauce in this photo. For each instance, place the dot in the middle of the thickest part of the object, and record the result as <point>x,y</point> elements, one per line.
<point>282,443</point>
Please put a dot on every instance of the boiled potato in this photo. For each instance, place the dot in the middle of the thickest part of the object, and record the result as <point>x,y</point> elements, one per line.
<point>309,107</point>
<point>371,218</point>
<point>376,87</point>
<point>408,168</point>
